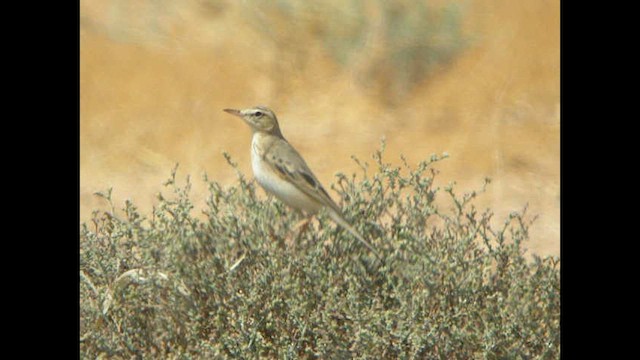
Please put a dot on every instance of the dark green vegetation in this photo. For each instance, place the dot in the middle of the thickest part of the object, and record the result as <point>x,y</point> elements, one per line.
<point>242,282</point>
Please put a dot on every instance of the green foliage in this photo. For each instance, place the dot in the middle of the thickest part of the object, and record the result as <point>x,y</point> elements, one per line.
<point>240,281</point>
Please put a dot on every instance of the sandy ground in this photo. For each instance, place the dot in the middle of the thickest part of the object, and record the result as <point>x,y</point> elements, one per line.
<point>155,77</point>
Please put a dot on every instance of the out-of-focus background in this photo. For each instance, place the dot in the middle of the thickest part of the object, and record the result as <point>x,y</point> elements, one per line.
<point>478,79</point>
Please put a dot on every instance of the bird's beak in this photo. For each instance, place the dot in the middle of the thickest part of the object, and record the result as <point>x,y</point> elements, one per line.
<point>233,112</point>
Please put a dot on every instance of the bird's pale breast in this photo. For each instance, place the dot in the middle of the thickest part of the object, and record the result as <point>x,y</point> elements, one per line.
<point>276,185</point>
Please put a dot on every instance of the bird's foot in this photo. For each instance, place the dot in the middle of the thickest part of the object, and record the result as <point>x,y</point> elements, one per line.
<point>293,239</point>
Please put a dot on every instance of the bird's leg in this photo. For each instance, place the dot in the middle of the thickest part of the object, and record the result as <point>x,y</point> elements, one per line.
<point>303,224</point>
<point>298,229</point>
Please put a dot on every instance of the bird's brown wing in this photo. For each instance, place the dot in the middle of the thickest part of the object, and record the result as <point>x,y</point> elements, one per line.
<point>287,163</point>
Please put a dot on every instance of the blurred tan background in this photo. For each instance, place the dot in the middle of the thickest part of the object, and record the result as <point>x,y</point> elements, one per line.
<point>478,79</point>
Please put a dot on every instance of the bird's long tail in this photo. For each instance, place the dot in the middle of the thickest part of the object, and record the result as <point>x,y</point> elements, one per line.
<point>342,222</point>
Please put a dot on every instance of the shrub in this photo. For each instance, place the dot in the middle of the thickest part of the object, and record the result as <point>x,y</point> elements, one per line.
<point>242,282</point>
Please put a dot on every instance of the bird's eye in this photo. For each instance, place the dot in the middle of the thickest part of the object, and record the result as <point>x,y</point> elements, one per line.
<point>258,113</point>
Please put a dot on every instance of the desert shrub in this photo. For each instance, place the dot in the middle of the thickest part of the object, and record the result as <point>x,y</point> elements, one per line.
<point>241,281</point>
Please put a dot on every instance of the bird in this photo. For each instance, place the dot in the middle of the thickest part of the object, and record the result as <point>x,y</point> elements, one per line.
<point>280,169</point>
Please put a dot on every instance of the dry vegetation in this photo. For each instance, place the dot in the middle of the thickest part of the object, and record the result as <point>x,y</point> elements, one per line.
<point>240,284</point>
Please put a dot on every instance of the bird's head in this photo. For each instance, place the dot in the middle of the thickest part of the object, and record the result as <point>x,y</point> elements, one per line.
<point>260,118</point>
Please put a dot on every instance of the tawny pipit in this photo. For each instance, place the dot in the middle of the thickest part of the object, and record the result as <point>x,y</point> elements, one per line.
<point>281,171</point>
